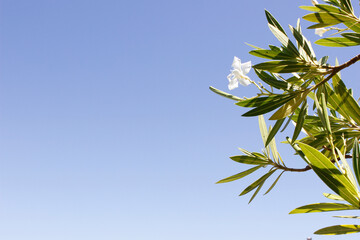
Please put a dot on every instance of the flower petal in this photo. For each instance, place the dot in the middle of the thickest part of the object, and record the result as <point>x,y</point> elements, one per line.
<point>245,67</point>
<point>233,82</point>
<point>244,81</point>
<point>236,63</point>
<point>320,31</point>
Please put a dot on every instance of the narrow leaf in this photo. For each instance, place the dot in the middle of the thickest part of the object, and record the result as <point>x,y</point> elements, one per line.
<point>224,94</point>
<point>248,160</point>
<point>338,230</point>
<point>274,130</point>
<point>300,121</point>
<point>257,182</point>
<point>284,66</point>
<point>289,107</point>
<point>268,107</point>
<point>256,192</point>
<point>356,159</point>
<point>271,20</point>
<point>336,42</point>
<point>330,175</point>
<point>239,175</point>
<point>322,207</point>
<point>274,183</point>
<point>333,197</point>
<point>271,80</point>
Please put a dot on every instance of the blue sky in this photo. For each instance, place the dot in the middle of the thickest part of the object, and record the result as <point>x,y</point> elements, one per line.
<point>109,131</point>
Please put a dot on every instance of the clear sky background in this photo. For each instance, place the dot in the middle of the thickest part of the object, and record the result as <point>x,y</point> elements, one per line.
<point>108,129</point>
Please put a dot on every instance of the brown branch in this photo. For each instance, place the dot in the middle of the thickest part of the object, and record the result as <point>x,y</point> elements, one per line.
<point>307,168</point>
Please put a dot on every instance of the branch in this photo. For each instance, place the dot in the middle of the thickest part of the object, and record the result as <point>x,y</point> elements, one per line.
<point>337,69</point>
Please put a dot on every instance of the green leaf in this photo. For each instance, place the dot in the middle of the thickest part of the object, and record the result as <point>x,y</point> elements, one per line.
<point>328,18</point>
<point>249,160</point>
<point>290,106</point>
<point>319,25</point>
<point>264,132</point>
<point>271,80</point>
<point>274,130</point>
<point>304,45</point>
<point>330,9</point>
<point>239,175</point>
<point>272,21</point>
<point>333,197</point>
<point>355,37</point>
<point>336,42</point>
<point>269,54</point>
<point>346,5</point>
<point>256,192</point>
<point>224,94</point>
<point>285,41</point>
<point>257,182</point>
<point>284,66</point>
<point>300,121</point>
<point>345,100</point>
<point>269,106</point>
<point>258,101</point>
<point>354,217</point>
<point>246,152</point>
<point>330,175</point>
<point>356,159</point>
<point>310,8</point>
<point>274,183</point>
<point>333,2</point>
<point>325,113</point>
<point>273,148</point>
<point>336,102</point>
<point>322,207</point>
<point>348,173</point>
<point>338,229</point>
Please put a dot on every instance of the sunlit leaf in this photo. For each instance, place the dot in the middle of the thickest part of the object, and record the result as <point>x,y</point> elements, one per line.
<point>330,175</point>
<point>355,37</point>
<point>289,107</point>
<point>256,191</point>
<point>338,230</point>
<point>264,132</point>
<point>322,207</point>
<point>248,160</point>
<point>239,175</point>
<point>271,80</point>
<point>300,121</point>
<point>259,101</point>
<point>268,106</point>
<point>224,94</point>
<point>336,42</point>
<point>353,217</point>
<point>274,130</point>
<point>328,18</point>
<point>284,66</point>
<point>257,182</point>
<point>333,197</point>
<point>356,159</point>
<point>272,21</point>
<point>285,41</point>
<point>269,54</point>
<point>274,183</point>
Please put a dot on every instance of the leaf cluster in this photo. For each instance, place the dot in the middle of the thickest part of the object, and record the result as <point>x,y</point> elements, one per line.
<point>310,93</point>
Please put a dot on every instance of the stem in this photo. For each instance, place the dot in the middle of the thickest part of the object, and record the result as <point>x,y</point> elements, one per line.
<point>337,69</point>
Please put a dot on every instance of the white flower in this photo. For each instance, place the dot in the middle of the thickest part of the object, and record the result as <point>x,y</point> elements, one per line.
<point>314,2</point>
<point>238,74</point>
<point>321,31</point>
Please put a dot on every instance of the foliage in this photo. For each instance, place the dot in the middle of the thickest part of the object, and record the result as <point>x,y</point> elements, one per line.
<point>299,87</point>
